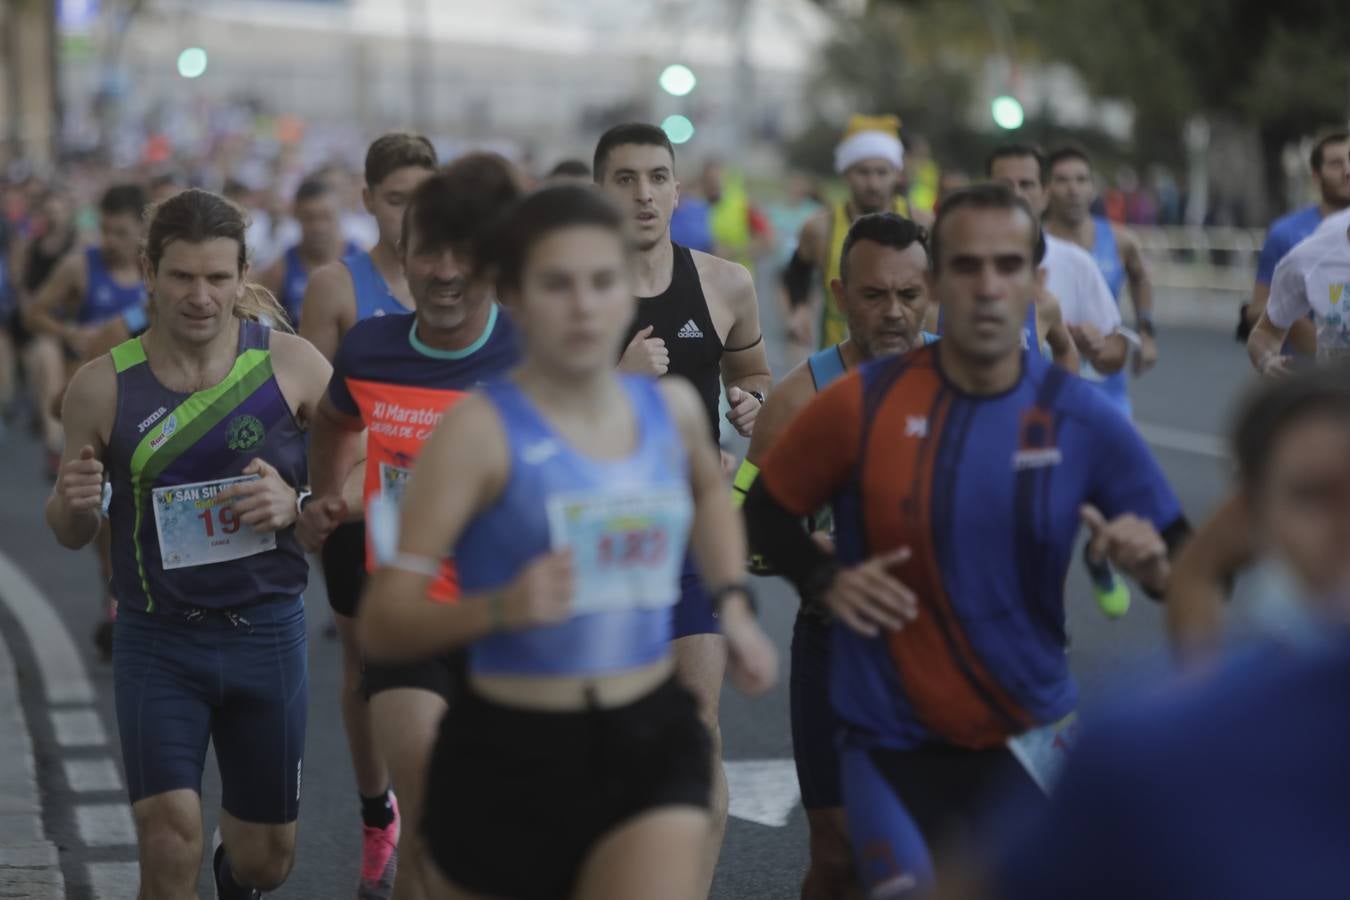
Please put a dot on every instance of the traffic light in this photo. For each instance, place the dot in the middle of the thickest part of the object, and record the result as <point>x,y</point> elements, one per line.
<point>678,128</point>
<point>678,80</point>
<point>192,62</point>
<point>1007,112</point>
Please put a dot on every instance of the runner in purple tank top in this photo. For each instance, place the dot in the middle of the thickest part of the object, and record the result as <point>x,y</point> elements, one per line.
<point>198,427</point>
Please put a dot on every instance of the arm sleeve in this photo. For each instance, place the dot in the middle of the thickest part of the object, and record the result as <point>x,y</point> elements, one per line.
<point>806,466</point>
<point>338,393</point>
<point>780,541</point>
<point>1288,295</point>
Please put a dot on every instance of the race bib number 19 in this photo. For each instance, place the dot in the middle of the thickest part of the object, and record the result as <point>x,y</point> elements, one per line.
<point>627,548</point>
<point>197,527</point>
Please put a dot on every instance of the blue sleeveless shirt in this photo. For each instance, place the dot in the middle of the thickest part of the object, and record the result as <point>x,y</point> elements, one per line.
<point>515,530</point>
<point>1106,253</point>
<point>104,298</point>
<point>827,365</point>
<point>166,450</point>
<point>296,279</point>
<point>373,297</point>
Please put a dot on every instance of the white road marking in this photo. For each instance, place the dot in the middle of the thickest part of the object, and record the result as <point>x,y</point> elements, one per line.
<point>114,880</point>
<point>1193,442</point>
<point>78,728</point>
<point>63,673</point>
<point>763,791</point>
<point>105,825</point>
<point>86,775</point>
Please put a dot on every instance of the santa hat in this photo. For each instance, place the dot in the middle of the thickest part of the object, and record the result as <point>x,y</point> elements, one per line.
<point>869,137</point>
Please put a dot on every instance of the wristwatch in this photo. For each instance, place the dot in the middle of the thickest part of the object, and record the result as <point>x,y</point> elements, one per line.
<point>300,499</point>
<point>1144,324</point>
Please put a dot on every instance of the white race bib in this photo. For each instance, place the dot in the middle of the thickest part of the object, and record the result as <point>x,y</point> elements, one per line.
<point>627,547</point>
<point>1042,751</point>
<point>383,511</point>
<point>197,527</point>
<point>393,482</point>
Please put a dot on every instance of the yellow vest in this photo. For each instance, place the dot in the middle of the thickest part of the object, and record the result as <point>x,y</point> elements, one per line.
<point>729,221</point>
<point>833,324</point>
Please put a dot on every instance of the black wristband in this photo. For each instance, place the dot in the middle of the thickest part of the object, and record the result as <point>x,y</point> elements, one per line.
<point>742,589</point>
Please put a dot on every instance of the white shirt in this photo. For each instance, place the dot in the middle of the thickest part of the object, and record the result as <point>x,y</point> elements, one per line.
<point>1075,281</point>
<point>1339,220</point>
<point>1315,277</point>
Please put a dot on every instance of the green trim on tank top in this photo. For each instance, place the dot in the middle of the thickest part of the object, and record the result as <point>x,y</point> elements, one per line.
<point>191,419</point>
<point>454,354</point>
<point>127,354</point>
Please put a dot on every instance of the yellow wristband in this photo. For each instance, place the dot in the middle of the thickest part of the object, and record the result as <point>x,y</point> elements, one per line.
<point>745,477</point>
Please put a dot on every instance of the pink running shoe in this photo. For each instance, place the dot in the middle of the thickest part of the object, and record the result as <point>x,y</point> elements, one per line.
<point>379,858</point>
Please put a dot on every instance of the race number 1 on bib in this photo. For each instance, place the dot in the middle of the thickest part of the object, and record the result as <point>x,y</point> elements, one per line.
<point>627,548</point>
<point>197,526</point>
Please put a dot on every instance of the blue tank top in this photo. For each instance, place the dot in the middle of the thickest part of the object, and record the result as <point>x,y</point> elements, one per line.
<point>514,530</point>
<point>104,298</point>
<point>164,446</point>
<point>1106,253</point>
<point>373,297</point>
<point>828,365</point>
<point>296,279</point>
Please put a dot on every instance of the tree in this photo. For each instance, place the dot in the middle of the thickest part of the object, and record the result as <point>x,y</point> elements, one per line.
<point>891,60</point>
<point>1280,70</point>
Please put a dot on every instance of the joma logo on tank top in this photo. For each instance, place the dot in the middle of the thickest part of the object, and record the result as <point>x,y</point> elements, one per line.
<point>151,419</point>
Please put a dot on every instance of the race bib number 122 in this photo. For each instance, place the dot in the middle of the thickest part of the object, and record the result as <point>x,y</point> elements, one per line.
<point>627,548</point>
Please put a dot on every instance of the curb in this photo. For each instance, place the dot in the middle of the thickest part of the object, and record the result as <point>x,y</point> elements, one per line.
<point>29,867</point>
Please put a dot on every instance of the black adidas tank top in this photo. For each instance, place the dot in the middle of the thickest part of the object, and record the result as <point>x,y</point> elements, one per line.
<point>680,317</point>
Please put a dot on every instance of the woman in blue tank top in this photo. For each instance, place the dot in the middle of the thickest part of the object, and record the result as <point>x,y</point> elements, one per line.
<point>575,765</point>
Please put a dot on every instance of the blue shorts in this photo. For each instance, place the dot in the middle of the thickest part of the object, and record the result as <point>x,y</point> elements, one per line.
<point>815,727</point>
<point>899,803</point>
<point>693,613</point>
<point>241,684</point>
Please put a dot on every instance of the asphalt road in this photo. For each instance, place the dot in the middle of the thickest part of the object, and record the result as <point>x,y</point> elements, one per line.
<point>1184,404</point>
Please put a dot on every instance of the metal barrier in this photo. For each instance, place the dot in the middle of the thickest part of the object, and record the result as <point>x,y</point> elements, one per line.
<point>1184,258</point>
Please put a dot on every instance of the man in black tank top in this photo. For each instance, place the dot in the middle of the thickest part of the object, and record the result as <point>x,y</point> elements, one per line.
<point>698,318</point>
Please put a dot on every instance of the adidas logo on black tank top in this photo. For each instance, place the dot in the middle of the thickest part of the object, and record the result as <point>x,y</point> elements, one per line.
<point>690,330</point>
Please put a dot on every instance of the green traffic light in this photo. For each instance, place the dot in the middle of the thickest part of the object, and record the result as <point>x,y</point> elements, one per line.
<point>678,80</point>
<point>192,62</point>
<point>1007,112</point>
<point>678,128</point>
